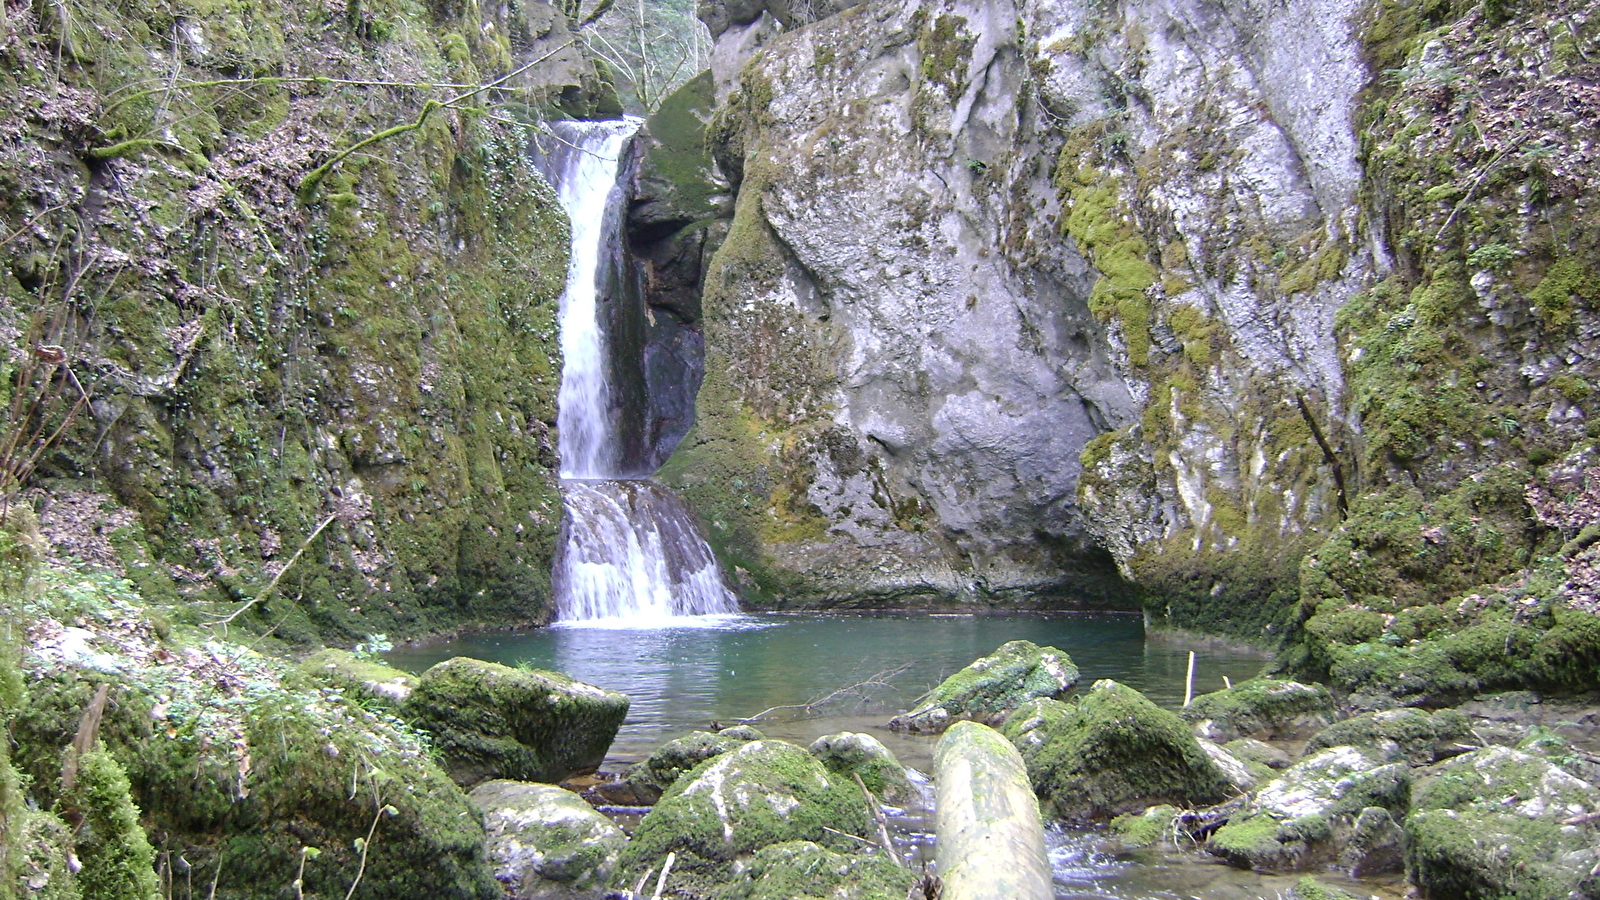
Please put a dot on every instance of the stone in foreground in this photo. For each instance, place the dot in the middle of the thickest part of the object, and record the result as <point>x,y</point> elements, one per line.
<point>546,843</point>
<point>802,870</point>
<point>763,793</point>
<point>1493,824</point>
<point>491,721</point>
<point>852,753</point>
<point>647,781</point>
<point>989,688</point>
<point>1111,752</point>
<point>991,843</point>
<point>1337,807</point>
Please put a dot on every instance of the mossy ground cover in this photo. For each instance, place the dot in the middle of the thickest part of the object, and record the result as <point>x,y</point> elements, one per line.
<point>1449,576</point>
<point>219,755</point>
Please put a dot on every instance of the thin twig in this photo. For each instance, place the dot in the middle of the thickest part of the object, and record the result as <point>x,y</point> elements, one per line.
<point>881,819</point>
<point>661,883</point>
<point>308,185</point>
<point>273,584</point>
<point>881,679</point>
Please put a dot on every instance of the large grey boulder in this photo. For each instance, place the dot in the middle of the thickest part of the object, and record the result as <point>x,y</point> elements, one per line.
<point>762,793</point>
<point>1111,752</point>
<point>990,687</point>
<point>546,843</point>
<point>1337,807</point>
<point>493,721</point>
<point>1498,823</point>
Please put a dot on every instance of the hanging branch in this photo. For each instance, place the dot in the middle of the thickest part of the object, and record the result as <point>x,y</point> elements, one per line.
<point>273,584</point>
<point>308,185</point>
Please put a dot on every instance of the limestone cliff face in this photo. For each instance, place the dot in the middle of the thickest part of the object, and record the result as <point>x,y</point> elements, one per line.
<point>972,238</point>
<point>1306,288</point>
<point>901,363</point>
<point>374,350</point>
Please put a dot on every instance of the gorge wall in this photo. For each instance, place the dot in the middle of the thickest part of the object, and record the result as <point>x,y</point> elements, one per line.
<point>1216,291</point>
<point>272,346</point>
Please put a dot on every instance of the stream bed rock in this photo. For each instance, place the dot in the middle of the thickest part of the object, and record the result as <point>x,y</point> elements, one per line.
<point>1112,751</point>
<point>545,842</point>
<point>733,805</point>
<point>990,687</point>
<point>1339,806</point>
<point>1499,823</point>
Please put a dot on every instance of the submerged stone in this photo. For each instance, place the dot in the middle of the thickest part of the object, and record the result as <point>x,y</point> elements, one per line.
<point>1262,708</point>
<point>1113,751</point>
<point>546,843</point>
<point>1499,824</point>
<point>990,687</point>
<point>762,793</point>
<point>493,721</point>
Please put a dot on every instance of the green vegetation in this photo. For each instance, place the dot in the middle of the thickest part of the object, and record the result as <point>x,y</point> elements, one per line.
<point>784,795</point>
<point>492,721</point>
<point>1111,752</point>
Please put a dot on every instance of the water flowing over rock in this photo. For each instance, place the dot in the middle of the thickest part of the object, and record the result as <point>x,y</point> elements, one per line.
<point>583,162</point>
<point>630,551</point>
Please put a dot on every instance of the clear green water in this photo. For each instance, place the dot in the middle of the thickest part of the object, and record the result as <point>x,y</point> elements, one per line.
<point>687,674</point>
<point>721,669</point>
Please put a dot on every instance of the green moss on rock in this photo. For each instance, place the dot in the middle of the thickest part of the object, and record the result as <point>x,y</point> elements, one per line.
<point>1264,708</point>
<point>802,870</point>
<point>1113,751</point>
<point>118,863</point>
<point>761,794</point>
<point>493,721</point>
<point>992,686</point>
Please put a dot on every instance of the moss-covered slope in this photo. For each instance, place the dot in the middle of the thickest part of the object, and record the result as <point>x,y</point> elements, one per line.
<point>264,352</point>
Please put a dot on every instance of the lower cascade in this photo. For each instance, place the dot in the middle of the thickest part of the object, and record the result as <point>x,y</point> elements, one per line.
<point>631,552</point>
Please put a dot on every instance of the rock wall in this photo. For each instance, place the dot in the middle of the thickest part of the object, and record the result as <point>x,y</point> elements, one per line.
<point>372,349</point>
<point>1288,307</point>
<point>973,240</point>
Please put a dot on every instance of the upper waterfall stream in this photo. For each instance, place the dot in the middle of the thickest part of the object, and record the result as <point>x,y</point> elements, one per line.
<point>630,552</point>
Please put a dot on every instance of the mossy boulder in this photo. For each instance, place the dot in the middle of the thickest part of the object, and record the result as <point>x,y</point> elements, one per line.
<point>646,781</point>
<point>1335,807</point>
<point>991,687</point>
<point>802,870</point>
<point>851,754</point>
<point>1262,708</point>
<point>1400,734</point>
<point>1493,824</point>
<point>371,680</point>
<point>546,843</point>
<point>1111,752</point>
<point>762,793</point>
<point>493,721</point>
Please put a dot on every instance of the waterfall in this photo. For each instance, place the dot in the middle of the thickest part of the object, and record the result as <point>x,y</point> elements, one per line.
<point>630,552</point>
